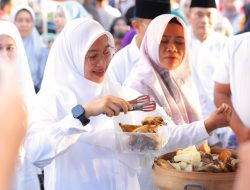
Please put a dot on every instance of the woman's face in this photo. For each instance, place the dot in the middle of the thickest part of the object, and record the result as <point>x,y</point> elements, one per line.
<point>172,47</point>
<point>8,49</point>
<point>60,20</point>
<point>24,23</point>
<point>121,26</point>
<point>97,59</point>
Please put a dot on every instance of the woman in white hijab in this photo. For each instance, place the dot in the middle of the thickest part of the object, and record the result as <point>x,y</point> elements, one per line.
<point>37,52</point>
<point>163,71</point>
<point>78,156</point>
<point>79,153</point>
<point>67,11</point>
<point>12,50</point>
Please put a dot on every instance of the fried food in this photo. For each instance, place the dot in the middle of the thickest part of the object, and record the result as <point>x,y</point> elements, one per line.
<point>147,129</point>
<point>129,128</point>
<point>153,121</point>
<point>146,139</point>
<point>149,125</point>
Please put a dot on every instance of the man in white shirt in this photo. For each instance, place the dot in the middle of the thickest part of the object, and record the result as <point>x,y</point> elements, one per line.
<point>205,44</point>
<point>122,63</point>
<point>205,49</point>
<point>232,81</point>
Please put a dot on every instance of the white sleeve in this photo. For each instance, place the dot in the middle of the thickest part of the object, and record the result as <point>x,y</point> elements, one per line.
<point>181,136</point>
<point>47,138</point>
<point>221,74</point>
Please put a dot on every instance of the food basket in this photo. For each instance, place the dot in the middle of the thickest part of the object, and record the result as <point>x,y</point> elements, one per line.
<point>171,179</point>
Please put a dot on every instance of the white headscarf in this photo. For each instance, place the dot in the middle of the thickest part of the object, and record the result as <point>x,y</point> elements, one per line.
<point>144,72</point>
<point>64,74</point>
<point>21,63</point>
<point>64,85</point>
<point>73,10</point>
<point>35,48</point>
<point>65,65</point>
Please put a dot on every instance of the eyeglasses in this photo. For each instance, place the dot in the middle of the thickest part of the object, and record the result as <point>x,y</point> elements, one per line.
<point>93,58</point>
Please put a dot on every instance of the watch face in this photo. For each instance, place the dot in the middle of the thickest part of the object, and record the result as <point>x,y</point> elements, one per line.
<point>78,111</point>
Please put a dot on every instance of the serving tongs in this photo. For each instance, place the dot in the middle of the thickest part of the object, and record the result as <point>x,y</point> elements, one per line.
<point>142,103</point>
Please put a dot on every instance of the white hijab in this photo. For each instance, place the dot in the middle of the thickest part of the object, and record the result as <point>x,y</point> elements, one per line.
<point>64,80</point>
<point>65,86</point>
<point>34,46</point>
<point>25,175</point>
<point>144,72</point>
<point>65,65</point>
<point>21,63</point>
<point>73,10</point>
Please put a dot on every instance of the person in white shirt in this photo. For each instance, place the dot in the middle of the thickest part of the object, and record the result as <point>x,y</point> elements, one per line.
<point>205,44</point>
<point>126,58</point>
<point>37,52</point>
<point>12,48</point>
<point>205,50</point>
<point>69,134</point>
<point>232,81</point>
<point>163,73</point>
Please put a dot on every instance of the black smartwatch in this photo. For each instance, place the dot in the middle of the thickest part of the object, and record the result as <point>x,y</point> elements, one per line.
<point>78,112</point>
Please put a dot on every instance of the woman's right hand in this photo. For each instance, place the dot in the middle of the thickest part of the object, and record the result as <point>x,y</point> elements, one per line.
<point>109,105</point>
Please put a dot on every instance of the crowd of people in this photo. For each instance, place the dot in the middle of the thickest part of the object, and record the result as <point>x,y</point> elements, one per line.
<point>60,99</point>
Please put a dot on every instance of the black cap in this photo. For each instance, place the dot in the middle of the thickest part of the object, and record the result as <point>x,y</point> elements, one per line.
<point>149,9</point>
<point>203,3</point>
